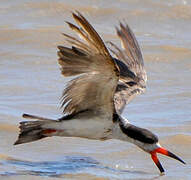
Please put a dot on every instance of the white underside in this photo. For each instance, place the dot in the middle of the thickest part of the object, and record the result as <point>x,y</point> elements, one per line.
<point>96,128</point>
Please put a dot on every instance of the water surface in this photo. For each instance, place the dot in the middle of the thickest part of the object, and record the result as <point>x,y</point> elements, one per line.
<point>31,82</point>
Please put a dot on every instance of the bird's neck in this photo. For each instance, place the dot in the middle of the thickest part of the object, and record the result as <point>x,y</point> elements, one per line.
<point>117,132</point>
<point>141,137</point>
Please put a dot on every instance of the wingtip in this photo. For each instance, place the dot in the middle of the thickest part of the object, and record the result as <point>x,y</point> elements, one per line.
<point>67,22</point>
<point>16,143</point>
<point>26,115</point>
<point>59,47</point>
<point>75,14</point>
<point>121,25</point>
<point>72,26</point>
<point>118,31</point>
<point>79,14</point>
<point>64,34</point>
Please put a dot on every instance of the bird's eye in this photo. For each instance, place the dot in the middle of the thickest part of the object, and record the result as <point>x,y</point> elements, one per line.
<point>131,83</point>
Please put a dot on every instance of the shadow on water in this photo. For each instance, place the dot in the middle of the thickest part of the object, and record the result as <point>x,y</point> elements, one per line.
<point>48,168</point>
<point>67,165</point>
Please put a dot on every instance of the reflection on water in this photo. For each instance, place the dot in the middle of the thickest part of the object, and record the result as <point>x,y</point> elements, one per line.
<point>67,165</point>
<point>50,168</point>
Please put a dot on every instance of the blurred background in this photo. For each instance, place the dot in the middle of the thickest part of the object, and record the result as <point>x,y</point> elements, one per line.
<point>30,82</point>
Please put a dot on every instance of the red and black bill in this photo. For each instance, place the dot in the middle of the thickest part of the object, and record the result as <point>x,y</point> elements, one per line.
<point>164,152</point>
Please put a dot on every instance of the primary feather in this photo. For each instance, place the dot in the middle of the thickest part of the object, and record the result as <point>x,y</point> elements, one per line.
<point>94,88</point>
<point>133,76</point>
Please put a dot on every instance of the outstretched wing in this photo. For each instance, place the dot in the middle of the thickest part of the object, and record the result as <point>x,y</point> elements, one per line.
<point>95,86</point>
<point>130,62</point>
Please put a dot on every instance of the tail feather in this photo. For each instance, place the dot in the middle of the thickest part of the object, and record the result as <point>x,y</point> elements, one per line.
<point>29,116</point>
<point>32,130</point>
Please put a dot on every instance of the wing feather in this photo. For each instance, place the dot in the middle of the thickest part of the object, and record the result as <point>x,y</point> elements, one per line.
<point>131,65</point>
<point>93,35</point>
<point>95,86</point>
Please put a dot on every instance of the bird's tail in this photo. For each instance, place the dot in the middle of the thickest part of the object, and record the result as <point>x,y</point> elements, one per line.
<point>34,130</point>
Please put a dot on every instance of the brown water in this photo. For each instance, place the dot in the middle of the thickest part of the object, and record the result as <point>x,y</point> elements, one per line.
<point>31,82</point>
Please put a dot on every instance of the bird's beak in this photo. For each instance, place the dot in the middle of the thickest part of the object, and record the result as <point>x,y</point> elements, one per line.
<point>164,152</point>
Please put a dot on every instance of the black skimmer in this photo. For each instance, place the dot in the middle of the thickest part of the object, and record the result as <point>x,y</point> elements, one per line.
<point>90,107</point>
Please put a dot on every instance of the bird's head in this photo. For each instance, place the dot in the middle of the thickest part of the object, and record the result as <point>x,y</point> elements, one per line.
<point>147,141</point>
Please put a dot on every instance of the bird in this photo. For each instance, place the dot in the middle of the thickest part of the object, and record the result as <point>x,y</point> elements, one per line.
<point>91,101</point>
